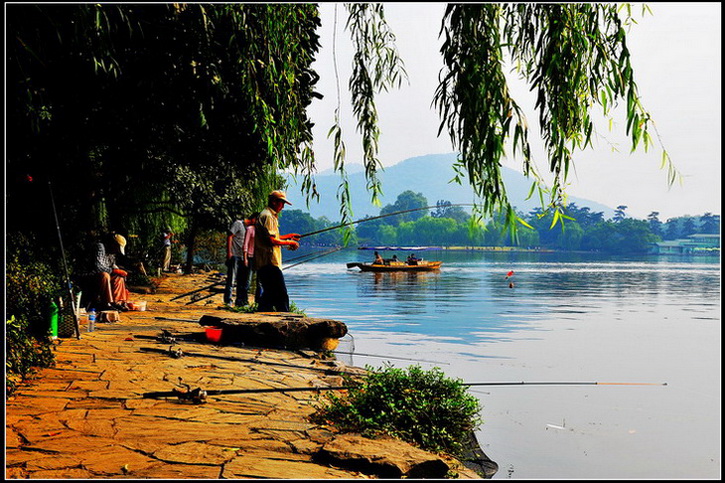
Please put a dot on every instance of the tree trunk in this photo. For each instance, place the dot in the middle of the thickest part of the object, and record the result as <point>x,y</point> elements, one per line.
<point>190,246</point>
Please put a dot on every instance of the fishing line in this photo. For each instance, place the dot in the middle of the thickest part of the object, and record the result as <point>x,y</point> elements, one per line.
<point>381,216</point>
<point>356,222</point>
<point>563,383</point>
<point>313,255</point>
<point>389,357</point>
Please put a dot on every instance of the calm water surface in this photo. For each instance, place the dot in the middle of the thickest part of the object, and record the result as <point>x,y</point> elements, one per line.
<point>567,318</point>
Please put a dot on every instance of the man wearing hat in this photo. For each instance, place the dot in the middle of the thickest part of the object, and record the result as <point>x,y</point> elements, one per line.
<point>268,245</point>
<point>110,279</point>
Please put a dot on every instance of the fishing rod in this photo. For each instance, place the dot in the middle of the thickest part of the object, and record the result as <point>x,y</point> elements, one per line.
<point>333,250</point>
<point>355,222</point>
<point>379,217</point>
<point>65,265</point>
<point>563,383</point>
<point>199,395</point>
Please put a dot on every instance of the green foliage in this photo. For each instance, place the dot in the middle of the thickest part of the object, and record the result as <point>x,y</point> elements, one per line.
<point>31,282</point>
<point>422,407</point>
<point>24,353</point>
<point>252,308</point>
<point>406,201</point>
<point>573,56</point>
<point>186,111</point>
<point>376,68</point>
<point>211,246</point>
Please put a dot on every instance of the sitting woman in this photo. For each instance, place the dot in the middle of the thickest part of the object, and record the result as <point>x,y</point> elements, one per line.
<point>109,280</point>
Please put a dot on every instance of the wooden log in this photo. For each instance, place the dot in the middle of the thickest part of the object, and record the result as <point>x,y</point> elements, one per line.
<point>278,330</point>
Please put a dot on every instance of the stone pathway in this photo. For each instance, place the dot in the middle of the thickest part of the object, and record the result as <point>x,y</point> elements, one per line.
<point>87,417</point>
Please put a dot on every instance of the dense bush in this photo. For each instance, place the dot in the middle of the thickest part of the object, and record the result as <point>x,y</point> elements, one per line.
<point>24,353</point>
<point>422,407</point>
<point>31,283</point>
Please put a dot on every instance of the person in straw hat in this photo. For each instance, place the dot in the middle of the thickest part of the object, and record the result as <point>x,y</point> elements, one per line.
<point>109,278</point>
<point>268,245</point>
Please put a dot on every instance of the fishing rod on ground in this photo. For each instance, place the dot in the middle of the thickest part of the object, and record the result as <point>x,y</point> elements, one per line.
<point>199,395</point>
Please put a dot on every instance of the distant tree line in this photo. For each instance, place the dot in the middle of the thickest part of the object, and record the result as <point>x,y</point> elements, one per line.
<point>449,224</point>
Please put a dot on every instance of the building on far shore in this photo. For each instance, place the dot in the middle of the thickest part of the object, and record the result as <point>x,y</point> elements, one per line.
<point>692,245</point>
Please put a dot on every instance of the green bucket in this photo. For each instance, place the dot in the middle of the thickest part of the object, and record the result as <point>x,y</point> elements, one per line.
<point>53,320</point>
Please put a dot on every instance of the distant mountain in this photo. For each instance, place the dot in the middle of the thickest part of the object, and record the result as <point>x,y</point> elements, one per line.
<point>430,175</point>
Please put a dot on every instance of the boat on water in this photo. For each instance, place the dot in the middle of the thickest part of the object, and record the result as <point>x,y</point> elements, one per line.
<point>419,266</point>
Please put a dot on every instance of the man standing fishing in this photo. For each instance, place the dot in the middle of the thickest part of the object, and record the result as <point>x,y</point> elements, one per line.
<point>268,245</point>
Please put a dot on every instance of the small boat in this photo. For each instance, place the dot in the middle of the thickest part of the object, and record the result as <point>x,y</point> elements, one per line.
<point>419,266</point>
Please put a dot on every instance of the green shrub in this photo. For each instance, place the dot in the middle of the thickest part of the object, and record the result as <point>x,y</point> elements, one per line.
<point>421,407</point>
<point>31,283</point>
<point>24,353</point>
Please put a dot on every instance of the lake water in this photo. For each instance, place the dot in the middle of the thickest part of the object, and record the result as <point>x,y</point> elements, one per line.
<point>568,318</point>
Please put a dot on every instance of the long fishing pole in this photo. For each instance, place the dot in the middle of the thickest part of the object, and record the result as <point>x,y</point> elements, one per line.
<point>219,392</point>
<point>563,383</point>
<point>379,217</point>
<point>199,395</point>
<point>65,265</point>
<point>325,253</point>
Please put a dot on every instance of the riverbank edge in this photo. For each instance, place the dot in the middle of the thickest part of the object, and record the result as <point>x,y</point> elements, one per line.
<point>48,458</point>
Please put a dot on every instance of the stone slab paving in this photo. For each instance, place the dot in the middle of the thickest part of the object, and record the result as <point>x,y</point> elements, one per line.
<point>87,417</point>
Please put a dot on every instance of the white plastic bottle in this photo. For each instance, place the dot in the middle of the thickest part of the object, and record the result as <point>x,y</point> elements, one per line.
<point>92,320</point>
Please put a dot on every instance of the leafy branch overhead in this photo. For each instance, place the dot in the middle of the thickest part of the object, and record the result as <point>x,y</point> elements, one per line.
<point>573,56</point>
<point>150,114</point>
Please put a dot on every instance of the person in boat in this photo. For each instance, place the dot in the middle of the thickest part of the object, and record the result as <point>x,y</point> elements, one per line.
<point>378,259</point>
<point>412,260</point>
<point>394,259</point>
<point>268,245</point>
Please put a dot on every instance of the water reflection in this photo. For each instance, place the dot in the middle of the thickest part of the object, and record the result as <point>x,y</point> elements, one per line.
<point>470,298</point>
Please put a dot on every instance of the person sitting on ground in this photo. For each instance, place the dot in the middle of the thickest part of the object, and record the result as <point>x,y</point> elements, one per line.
<point>378,259</point>
<point>109,280</point>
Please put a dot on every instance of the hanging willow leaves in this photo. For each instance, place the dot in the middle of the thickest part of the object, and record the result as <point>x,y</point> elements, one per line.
<point>376,68</point>
<point>573,56</point>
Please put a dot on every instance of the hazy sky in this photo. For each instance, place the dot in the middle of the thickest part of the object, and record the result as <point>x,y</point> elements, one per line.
<point>676,56</point>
